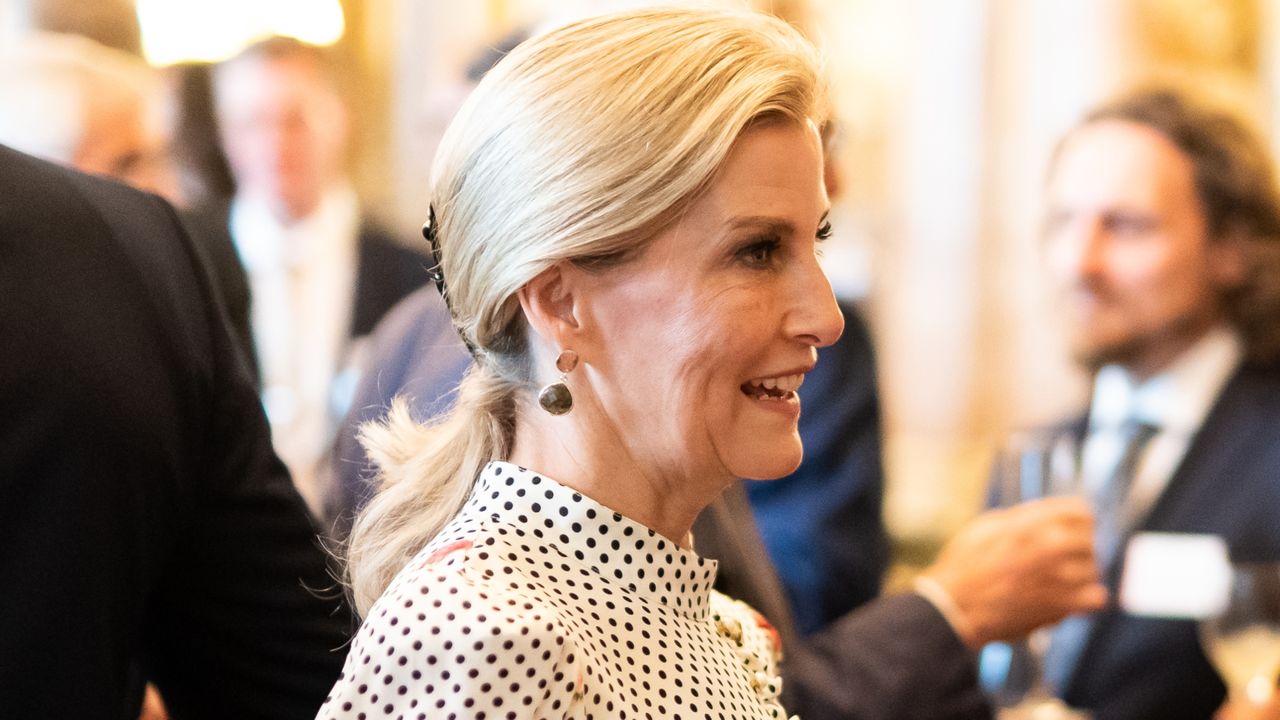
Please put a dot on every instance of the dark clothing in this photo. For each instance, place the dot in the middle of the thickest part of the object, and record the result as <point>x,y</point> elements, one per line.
<point>895,657</point>
<point>1228,484</point>
<point>823,525</point>
<point>143,516</point>
<point>207,226</point>
<point>388,272</point>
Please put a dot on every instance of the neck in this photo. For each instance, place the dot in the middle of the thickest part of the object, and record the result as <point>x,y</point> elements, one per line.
<point>587,455</point>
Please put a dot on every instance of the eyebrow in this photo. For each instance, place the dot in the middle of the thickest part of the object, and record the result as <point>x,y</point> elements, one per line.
<point>768,222</point>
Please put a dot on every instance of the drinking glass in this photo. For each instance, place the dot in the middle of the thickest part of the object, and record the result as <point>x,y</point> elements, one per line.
<point>1030,466</point>
<point>1243,640</point>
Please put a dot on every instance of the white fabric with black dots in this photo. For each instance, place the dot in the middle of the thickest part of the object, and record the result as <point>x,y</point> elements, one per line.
<point>536,602</point>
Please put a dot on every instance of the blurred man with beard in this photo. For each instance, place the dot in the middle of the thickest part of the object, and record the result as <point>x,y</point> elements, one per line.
<point>1162,238</point>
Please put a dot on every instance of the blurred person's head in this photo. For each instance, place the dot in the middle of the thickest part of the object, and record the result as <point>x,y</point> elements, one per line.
<point>283,123</point>
<point>72,101</point>
<point>1162,221</point>
<point>644,189</point>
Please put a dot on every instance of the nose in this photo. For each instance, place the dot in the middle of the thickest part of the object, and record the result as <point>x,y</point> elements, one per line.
<point>816,319</point>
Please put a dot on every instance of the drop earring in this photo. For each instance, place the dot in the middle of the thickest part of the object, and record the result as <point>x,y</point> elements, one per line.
<point>555,398</point>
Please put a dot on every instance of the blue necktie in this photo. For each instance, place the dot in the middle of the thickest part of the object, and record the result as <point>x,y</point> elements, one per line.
<point>1112,527</point>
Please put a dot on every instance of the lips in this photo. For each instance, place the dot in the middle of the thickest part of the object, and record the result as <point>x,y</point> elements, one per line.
<point>779,387</point>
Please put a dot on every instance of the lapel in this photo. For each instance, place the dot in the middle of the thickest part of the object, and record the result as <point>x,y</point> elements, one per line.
<point>727,532</point>
<point>362,314</point>
<point>1230,447</point>
<point>1233,435</point>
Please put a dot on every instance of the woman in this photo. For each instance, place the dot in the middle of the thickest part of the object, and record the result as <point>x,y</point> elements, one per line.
<point>626,214</point>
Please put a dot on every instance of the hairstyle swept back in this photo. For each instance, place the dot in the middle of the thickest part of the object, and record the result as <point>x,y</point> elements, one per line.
<point>1235,184</point>
<point>579,146</point>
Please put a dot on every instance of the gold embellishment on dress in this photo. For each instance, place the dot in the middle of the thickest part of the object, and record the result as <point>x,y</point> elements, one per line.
<point>765,684</point>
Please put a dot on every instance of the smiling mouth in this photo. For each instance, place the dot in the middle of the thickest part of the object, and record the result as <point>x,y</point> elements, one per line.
<point>782,387</point>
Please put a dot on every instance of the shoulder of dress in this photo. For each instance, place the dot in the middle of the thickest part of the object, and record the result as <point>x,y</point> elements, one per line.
<point>466,574</point>
<point>445,634</point>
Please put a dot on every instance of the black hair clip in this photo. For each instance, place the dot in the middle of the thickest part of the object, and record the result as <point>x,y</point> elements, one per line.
<point>429,231</point>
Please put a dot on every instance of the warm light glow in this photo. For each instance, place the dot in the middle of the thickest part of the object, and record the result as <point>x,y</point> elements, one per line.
<point>211,30</point>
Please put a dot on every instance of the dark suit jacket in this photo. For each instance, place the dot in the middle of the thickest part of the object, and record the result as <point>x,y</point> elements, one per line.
<point>207,226</point>
<point>144,520</point>
<point>1229,485</point>
<point>387,271</point>
<point>894,658</point>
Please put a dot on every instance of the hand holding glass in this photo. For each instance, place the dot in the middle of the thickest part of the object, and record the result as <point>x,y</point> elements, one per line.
<point>1032,466</point>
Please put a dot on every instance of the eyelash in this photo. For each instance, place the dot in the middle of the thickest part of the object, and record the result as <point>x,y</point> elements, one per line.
<point>771,244</point>
<point>768,245</point>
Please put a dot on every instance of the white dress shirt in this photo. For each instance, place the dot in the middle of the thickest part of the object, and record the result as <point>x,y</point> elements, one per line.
<point>302,278</point>
<point>1175,401</point>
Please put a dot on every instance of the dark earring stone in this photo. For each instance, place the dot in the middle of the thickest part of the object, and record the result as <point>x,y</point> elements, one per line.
<point>555,398</point>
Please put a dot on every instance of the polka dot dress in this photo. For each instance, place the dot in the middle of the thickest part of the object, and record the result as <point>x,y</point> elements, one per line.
<point>536,602</point>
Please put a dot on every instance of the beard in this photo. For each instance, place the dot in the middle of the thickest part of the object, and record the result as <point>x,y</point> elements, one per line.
<point>1143,352</point>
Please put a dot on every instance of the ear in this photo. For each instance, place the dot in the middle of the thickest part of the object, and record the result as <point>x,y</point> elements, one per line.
<point>548,302</point>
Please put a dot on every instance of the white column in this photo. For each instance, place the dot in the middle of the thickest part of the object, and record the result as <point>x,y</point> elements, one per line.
<point>927,273</point>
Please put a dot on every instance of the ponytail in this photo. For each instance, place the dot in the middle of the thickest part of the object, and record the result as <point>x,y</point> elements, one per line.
<point>425,474</point>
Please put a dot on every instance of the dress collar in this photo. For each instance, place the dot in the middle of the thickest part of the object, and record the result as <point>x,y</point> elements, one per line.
<point>625,554</point>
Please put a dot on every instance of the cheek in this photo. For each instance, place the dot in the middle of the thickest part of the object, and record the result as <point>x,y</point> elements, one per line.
<point>1192,288</point>
<point>721,345</point>
<point>685,355</point>
<point>1160,275</point>
<point>697,356</point>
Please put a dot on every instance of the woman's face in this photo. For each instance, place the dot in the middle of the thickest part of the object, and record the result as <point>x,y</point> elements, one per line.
<point>703,339</point>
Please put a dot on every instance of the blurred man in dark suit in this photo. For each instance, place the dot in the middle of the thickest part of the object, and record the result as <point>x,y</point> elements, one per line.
<point>145,521</point>
<point>1162,237</point>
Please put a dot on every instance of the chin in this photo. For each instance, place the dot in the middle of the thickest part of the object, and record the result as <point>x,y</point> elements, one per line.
<point>769,467</point>
<point>1094,356</point>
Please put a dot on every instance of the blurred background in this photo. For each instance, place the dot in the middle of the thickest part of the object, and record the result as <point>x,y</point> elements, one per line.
<point>948,111</point>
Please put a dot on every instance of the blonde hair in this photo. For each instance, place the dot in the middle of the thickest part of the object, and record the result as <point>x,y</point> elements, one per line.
<point>580,146</point>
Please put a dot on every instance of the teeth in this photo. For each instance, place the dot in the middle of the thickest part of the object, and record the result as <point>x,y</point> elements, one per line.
<point>784,383</point>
